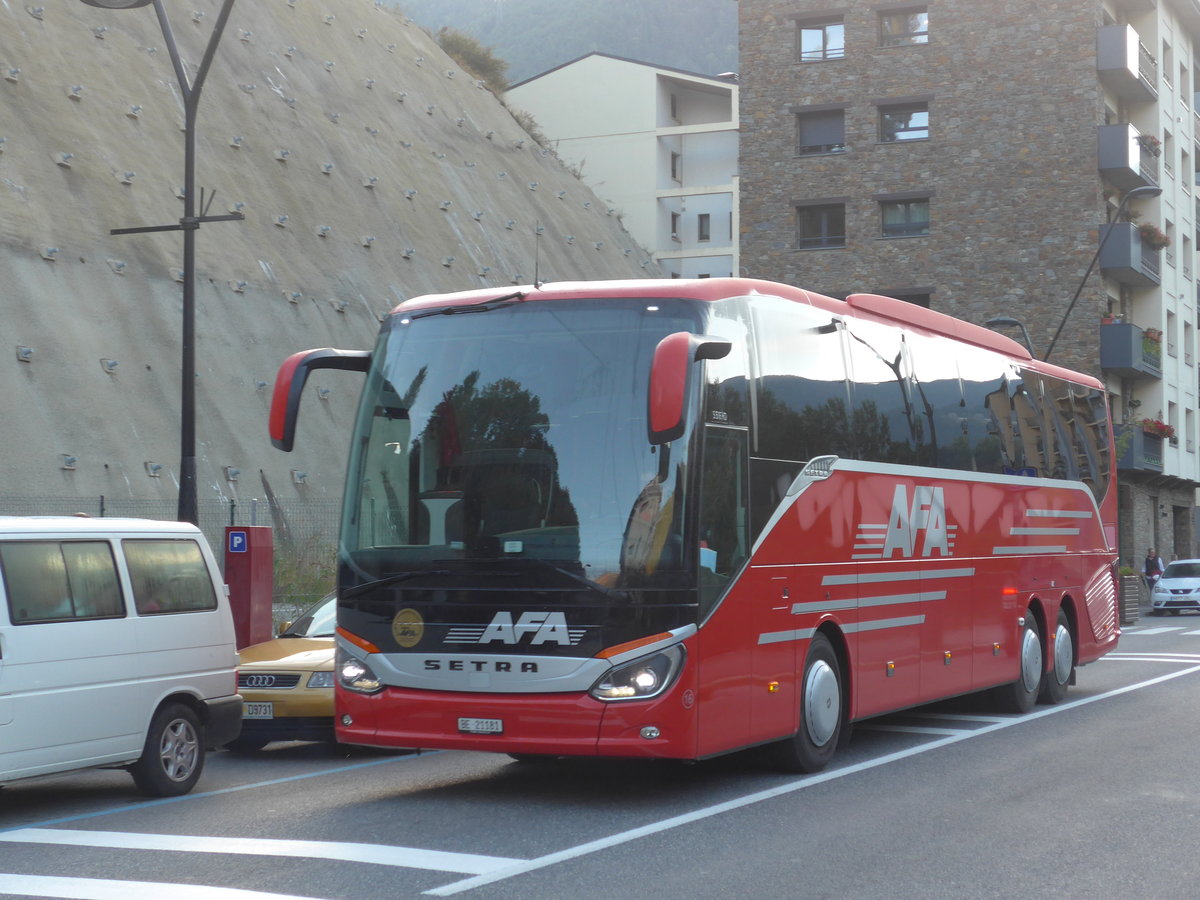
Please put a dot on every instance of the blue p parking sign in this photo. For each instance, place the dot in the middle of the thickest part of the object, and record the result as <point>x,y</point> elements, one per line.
<point>238,542</point>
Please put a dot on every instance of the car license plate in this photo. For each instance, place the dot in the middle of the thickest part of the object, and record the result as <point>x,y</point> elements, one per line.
<point>258,711</point>
<point>481,726</point>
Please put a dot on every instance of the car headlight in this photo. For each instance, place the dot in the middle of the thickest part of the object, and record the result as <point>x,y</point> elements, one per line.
<point>355,675</point>
<point>1159,589</point>
<point>320,680</point>
<point>642,678</point>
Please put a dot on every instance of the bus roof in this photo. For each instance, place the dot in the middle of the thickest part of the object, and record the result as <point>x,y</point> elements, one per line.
<point>856,306</point>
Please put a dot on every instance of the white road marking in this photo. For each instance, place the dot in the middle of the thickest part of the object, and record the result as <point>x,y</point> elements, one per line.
<point>1142,632</point>
<point>104,889</point>
<point>377,854</point>
<point>912,729</point>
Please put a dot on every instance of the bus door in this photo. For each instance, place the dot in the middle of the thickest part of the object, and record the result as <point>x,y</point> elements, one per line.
<point>723,551</point>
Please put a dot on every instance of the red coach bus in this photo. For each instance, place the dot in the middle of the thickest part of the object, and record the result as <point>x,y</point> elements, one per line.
<point>681,518</point>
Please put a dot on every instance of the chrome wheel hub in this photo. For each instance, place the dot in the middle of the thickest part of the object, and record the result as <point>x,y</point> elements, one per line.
<point>822,703</point>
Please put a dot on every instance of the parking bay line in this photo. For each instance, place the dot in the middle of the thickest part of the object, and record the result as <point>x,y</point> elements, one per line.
<point>378,854</point>
<point>60,886</point>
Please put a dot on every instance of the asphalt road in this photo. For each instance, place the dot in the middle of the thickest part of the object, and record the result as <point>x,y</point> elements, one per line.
<point>1095,797</point>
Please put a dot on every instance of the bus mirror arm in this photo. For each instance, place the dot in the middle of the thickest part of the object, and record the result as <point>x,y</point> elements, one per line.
<point>289,385</point>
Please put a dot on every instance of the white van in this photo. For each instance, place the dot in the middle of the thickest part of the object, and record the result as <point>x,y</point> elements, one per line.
<point>117,649</point>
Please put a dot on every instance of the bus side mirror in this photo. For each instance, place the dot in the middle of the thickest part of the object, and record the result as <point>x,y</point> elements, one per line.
<point>670,380</point>
<point>289,384</point>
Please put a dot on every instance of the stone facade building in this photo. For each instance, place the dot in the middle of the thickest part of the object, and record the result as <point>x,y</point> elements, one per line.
<point>971,158</point>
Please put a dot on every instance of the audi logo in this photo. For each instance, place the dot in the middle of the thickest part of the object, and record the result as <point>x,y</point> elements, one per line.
<point>259,681</point>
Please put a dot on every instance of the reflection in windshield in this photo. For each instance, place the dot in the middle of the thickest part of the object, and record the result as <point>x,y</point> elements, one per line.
<point>517,434</point>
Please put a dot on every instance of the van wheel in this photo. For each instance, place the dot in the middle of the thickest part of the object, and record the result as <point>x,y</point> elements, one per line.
<point>173,755</point>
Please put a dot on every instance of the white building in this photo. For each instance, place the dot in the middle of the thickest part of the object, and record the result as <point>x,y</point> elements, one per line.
<point>659,145</point>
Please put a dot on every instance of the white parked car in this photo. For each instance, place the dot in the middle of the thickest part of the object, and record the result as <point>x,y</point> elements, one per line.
<point>116,649</point>
<point>1177,589</point>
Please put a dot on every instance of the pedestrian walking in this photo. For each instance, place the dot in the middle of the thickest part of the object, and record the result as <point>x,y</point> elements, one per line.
<point>1152,568</point>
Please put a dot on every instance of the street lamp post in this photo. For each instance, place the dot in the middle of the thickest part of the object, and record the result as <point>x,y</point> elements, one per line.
<point>1010,322</point>
<point>1146,190</point>
<point>188,510</point>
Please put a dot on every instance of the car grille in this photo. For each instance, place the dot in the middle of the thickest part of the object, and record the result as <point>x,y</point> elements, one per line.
<point>267,680</point>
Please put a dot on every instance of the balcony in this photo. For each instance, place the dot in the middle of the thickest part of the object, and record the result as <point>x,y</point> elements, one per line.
<point>1136,449</point>
<point>1125,350</point>
<point>1124,162</point>
<point>1124,64</point>
<point>1123,257</point>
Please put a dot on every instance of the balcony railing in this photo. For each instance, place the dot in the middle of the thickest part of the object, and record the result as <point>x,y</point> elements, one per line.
<point>1126,259</point>
<point>1125,65</point>
<point>1124,162</point>
<point>1138,449</point>
<point>1126,350</point>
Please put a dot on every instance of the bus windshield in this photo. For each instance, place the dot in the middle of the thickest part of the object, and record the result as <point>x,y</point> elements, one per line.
<point>516,436</point>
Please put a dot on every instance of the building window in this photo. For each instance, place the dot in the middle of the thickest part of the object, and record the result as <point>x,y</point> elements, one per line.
<point>823,39</point>
<point>821,225</point>
<point>904,122</point>
<point>904,28</point>
<point>703,227</point>
<point>823,131</point>
<point>905,218</point>
<point>674,226</point>
<point>676,167</point>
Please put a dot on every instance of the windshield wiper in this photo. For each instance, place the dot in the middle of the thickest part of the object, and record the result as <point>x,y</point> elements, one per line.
<point>482,306</point>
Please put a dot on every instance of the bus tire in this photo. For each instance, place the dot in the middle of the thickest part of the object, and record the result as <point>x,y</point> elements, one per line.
<point>1021,695</point>
<point>822,708</point>
<point>173,755</point>
<point>1055,682</point>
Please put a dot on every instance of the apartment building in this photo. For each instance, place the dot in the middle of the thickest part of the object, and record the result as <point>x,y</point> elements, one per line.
<point>659,145</point>
<point>979,159</point>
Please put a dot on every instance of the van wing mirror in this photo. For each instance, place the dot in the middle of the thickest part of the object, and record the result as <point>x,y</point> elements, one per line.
<point>289,385</point>
<point>670,381</point>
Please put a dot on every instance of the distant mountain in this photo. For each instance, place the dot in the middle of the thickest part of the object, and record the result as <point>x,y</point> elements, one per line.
<point>533,36</point>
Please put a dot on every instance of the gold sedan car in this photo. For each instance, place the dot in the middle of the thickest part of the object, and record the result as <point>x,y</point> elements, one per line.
<point>287,683</point>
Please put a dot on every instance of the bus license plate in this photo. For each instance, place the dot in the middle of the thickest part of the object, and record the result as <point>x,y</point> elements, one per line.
<point>481,726</point>
<point>258,711</point>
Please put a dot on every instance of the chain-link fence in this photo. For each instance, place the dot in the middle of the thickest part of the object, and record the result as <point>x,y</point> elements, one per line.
<point>304,533</point>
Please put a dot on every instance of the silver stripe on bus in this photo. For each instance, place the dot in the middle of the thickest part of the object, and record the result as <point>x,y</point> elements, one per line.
<point>1043,531</point>
<point>778,637</point>
<point>1059,513</point>
<point>880,624</point>
<point>866,602</point>
<point>1028,548</point>
<point>877,577</point>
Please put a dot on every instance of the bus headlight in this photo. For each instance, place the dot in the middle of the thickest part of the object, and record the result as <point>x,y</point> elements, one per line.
<point>642,678</point>
<point>355,675</point>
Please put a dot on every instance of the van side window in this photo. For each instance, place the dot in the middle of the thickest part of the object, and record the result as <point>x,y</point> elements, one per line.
<point>56,581</point>
<point>168,576</point>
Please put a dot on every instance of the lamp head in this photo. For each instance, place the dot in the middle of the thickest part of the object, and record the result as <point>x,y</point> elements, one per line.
<point>117,4</point>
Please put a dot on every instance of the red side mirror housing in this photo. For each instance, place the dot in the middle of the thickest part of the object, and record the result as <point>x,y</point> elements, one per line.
<point>670,381</point>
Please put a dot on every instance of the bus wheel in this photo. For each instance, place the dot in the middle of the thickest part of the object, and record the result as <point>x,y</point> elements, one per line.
<point>813,745</point>
<point>1022,694</point>
<point>1054,685</point>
